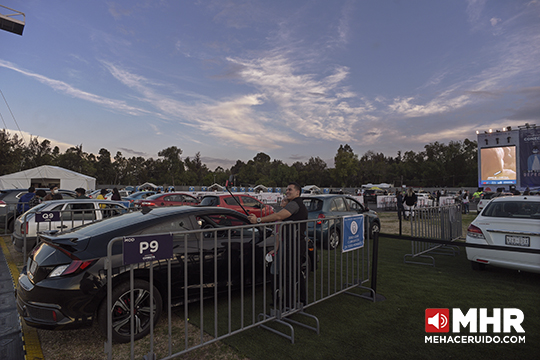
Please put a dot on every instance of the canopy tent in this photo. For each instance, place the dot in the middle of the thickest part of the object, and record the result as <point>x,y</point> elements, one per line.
<point>148,185</point>
<point>46,175</point>
<point>260,188</point>
<point>216,187</point>
<point>311,189</point>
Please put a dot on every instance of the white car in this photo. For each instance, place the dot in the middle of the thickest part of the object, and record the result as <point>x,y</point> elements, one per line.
<point>59,215</point>
<point>513,222</point>
<point>486,197</point>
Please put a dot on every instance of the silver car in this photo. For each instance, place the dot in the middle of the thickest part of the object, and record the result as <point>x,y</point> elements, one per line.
<point>59,215</point>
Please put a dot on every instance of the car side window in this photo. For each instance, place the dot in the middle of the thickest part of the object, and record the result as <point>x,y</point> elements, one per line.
<point>78,212</point>
<point>250,201</point>
<point>338,205</point>
<point>190,200</point>
<point>230,201</point>
<point>355,206</point>
<point>170,225</point>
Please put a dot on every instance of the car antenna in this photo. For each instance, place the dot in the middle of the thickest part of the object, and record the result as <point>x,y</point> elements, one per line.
<point>227,184</point>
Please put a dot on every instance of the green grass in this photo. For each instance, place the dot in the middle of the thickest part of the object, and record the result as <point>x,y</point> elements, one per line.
<point>352,327</point>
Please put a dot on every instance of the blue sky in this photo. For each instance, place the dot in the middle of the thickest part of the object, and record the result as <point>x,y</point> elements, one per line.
<point>292,79</point>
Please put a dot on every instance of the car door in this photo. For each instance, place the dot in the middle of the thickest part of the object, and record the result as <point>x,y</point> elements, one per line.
<point>170,200</point>
<point>189,200</point>
<point>74,214</point>
<point>252,206</point>
<point>233,203</point>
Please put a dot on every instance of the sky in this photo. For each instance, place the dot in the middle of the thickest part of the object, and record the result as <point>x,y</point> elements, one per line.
<point>293,79</point>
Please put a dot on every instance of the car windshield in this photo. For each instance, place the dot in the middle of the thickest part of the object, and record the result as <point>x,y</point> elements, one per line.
<point>513,209</point>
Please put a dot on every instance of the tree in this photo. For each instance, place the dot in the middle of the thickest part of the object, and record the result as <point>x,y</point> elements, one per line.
<point>105,173</point>
<point>173,164</point>
<point>196,170</point>
<point>346,165</point>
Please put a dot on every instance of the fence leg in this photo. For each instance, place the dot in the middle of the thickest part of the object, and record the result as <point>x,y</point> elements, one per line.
<point>372,295</point>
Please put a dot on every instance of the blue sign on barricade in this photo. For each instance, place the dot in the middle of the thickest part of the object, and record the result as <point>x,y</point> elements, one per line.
<point>353,232</point>
<point>47,216</point>
<point>143,248</point>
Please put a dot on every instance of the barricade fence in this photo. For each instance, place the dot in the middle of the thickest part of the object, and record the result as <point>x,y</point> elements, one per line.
<point>222,281</point>
<point>438,222</point>
<point>26,228</point>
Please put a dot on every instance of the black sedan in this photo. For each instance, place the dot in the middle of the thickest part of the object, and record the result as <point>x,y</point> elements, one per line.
<point>64,283</point>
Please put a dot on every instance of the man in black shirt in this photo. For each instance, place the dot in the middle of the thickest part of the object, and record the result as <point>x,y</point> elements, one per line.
<point>293,238</point>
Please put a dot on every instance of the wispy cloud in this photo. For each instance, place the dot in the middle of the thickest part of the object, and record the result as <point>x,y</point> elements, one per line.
<point>69,90</point>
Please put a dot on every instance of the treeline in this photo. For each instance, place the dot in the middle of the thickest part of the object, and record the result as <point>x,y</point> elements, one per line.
<point>441,165</point>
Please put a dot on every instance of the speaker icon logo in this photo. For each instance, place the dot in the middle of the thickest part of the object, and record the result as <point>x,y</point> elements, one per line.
<point>437,320</point>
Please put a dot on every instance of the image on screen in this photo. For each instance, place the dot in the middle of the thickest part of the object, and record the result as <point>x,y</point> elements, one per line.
<point>498,165</point>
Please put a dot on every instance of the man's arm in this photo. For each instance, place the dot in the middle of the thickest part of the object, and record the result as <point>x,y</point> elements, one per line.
<point>279,216</point>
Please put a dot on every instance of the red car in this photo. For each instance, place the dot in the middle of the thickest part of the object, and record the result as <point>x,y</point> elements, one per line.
<point>251,204</point>
<point>167,199</point>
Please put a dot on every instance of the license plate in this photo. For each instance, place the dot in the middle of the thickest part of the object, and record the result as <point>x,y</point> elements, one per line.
<point>518,240</point>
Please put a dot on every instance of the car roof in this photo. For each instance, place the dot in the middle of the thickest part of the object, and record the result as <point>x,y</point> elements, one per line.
<point>510,197</point>
<point>229,195</point>
<point>327,196</point>
<point>79,201</point>
<point>138,217</point>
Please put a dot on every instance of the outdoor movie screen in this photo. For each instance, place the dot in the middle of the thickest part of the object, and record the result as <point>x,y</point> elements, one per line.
<point>498,165</point>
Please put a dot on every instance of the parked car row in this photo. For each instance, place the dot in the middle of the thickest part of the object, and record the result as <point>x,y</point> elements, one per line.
<point>62,215</point>
<point>9,198</point>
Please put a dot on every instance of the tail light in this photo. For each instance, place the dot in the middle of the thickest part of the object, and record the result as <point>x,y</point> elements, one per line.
<point>2,204</point>
<point>76,266</point>
<point>321,216</point>
<point>475,232</point>
<point>148,203</point>
<point>24,228</point>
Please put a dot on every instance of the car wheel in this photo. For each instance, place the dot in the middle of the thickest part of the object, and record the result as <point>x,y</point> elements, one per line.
<point>375,228</point>
<point>10,225</point>
<point>121,313</point>
<point>477,266</point>
<point>333,239</point>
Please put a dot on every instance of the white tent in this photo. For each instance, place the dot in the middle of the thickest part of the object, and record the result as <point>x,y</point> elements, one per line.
<point>43,176</point>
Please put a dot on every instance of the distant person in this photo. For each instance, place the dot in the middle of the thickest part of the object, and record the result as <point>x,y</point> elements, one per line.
<point>81,193</point>
<point>54,194</point>
<point>102,194</point>
<point>38,198</point>
<point>527,191</point>
<point>465,201</point>
<point>24,201</point>
<point>409,203</point>
<point>116,195</point>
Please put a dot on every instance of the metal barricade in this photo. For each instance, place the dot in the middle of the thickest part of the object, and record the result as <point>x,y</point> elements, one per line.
<point>226,280</point>
<point>25,235</point>
<point>439,222</point>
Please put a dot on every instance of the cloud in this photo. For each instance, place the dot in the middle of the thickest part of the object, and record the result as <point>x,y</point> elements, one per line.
<point>69,90</point>
<point>494,21</point>
<point>26,136</point>
<point>134,152</point>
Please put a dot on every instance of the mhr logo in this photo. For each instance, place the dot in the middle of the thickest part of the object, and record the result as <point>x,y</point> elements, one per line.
<point>438,320</point>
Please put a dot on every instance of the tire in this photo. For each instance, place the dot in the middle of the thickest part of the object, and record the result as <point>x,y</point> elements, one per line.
<point>121,318</point>
<point>476,266</point>
<point>334,239</point>
<point>375,227</point>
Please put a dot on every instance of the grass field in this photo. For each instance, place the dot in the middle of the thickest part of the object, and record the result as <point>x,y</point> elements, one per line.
<point>394,328</point>
<point>356,328</point>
